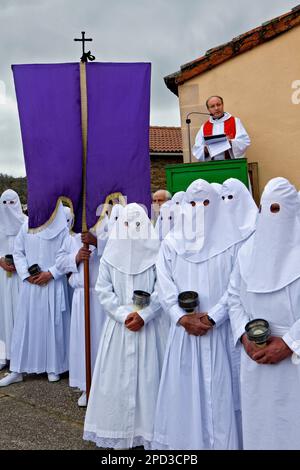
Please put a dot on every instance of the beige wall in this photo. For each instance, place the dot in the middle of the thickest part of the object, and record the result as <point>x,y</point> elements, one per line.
<point>257,87</point>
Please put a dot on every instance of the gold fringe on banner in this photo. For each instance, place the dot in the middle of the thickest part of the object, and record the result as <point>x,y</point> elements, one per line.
<point>110,197</point>
<point>62,199</point>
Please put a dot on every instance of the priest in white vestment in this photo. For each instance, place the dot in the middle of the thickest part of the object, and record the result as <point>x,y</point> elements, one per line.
<point>70,259</point>
<point>123,396</point>
<point>11,220</point>
<point>221,122</point>
<point>265,284</point>
<point>40,340</point>
<point>195,408</point>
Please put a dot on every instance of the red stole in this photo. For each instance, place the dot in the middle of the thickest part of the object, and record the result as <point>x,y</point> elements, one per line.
<point>229,128</point>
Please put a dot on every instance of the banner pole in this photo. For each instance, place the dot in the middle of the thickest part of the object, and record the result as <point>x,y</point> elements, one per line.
<point>83,93</point>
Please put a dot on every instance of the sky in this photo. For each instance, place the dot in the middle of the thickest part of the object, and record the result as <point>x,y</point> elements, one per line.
<point>167,33</point>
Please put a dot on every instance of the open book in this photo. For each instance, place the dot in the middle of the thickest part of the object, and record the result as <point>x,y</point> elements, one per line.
<point>216,144</point>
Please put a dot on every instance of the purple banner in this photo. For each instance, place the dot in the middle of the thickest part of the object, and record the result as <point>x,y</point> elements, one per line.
<point>50,116</point>
<point>118,133</point>
<point>117,142</point>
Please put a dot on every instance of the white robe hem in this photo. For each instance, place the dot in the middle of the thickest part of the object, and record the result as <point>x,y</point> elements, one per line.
<point>117,443</point>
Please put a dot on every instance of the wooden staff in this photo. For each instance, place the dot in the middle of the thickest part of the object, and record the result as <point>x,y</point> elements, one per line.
<point>88,369</point>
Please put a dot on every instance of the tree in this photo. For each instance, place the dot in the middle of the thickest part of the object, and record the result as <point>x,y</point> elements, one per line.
<point>17,184</point>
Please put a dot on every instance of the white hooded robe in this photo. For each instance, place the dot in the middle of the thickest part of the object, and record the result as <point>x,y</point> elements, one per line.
<point>11,220</point>
<point>123,396</point>
<point>265,284</point>
<point>40,340</point>
<point>195,406</point>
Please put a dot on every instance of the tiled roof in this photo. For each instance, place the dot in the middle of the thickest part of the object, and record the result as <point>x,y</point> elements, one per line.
<point>165,139</point>
<point>244,42</point>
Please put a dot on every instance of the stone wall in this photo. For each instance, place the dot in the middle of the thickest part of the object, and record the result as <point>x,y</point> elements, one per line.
<point>158,174</point>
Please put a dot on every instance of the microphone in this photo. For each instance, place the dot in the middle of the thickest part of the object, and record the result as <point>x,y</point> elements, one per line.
<point>188,121</point>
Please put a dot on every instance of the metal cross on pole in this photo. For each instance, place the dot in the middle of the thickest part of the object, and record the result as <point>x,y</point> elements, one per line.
<point>85,55</point>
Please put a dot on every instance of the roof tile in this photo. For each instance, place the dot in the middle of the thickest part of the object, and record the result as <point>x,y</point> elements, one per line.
<point>165,139</point>
<point>242,43</point>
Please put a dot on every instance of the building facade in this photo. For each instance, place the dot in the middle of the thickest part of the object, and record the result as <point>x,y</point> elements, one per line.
<point>258,75</point>
<point>165,149</point>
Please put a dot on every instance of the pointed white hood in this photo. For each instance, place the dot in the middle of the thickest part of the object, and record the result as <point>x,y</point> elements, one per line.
<point>217,187</point>
<point>57,225</point>
<point>69,216</point>
<point>11,214</point>
<point>132,246</point>
<point>274,262</point>
<point>241,210</point>
<point>167,218</point>
<point>114,215</point>
<point>178,198</point>
<point>199,233</point>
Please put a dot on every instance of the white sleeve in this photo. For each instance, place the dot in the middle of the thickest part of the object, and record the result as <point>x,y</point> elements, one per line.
<point>153,309</point>
<point>66,258</point>
<point>198,148</point>
<point>241,140</point>
<point>102,239</point>
<point>219,312</point>
<point>19,256</point>
<point>238,316</point>
<point>167,290</point>
<point>56,273</point>
<point>107,297</point>
<point>292,337</point>
<point>102,236</point>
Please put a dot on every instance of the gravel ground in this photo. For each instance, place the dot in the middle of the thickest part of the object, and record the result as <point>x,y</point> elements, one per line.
<point>38,415</point>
